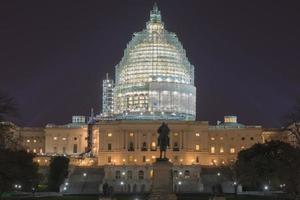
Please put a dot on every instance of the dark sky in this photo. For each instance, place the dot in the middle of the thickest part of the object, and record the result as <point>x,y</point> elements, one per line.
<point>54,54</point>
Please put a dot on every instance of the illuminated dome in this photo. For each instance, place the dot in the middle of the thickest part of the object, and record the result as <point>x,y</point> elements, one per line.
<point>154,79</point>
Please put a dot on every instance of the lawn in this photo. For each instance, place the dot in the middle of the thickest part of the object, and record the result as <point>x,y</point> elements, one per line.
<point>144,197</point>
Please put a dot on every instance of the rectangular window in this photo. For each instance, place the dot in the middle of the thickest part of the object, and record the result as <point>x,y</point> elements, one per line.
<point>109,159</point>
<point>212,149</point>
<point>75,148</point>
<point>55,149</point>
<point>109,147</point>
<point>221,150</point>
<point>64,150</point>
<point>232,150</point>
<point>197,147</point>
<point>144,158</point>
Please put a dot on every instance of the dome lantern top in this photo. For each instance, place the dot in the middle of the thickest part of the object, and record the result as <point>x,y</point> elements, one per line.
<point>155,23</point>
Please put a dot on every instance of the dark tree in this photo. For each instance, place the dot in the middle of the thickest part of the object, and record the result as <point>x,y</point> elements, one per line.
<point>17,167</point>
<point>58,172</point>
<point>292,122</point>
<point>229,173</point>
<point>7,109</point>
<point>273,163</point>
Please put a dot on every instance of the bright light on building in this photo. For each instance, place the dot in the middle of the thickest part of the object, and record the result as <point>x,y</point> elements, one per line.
<point>84,174</point>
<point>266,187</point>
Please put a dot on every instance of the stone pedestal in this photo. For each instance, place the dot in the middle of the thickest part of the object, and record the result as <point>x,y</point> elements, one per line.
<point>162,181</point>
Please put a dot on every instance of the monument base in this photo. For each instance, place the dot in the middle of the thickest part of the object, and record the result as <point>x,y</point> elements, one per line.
<point>162,182</point>
<point>162,196</point>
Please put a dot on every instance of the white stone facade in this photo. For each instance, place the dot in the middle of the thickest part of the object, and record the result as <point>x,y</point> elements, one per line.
<point>138,178</point>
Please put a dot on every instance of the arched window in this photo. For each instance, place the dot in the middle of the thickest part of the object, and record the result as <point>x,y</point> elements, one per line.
<point>186,174</point>
<point>128,188</point>
<point>141,175</point>
<point>118,174</point>
<point>134,188</point>
<point>143,188</point>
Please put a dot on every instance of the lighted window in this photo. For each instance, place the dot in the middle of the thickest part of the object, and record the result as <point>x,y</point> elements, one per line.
<point>212,138</point>
<point>197,147</point>
<point>109,134</point>
<point>34,141</point>
<point>28,141</point>
<point>175,134</point>
<point>54,138</point>
<point>212,149</point>
<point>232,150</point>
<point>221,138</point>
<point>34,150</point>
<point>64,138</point>
<point>131,134</point>
<point>28,150</point>
<point>153,144</point>
<point>221,150</point>
<point>242,147</point>
<point>197,134</point>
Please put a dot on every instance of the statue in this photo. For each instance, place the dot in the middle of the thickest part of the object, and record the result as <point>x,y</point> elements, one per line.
<point>163,140</point>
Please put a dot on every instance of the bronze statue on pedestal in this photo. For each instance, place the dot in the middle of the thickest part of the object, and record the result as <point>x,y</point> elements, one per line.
<point>163,140</point>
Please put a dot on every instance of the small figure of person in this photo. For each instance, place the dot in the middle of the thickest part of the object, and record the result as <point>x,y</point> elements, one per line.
<point>105,189</point>
<point>110,191</point>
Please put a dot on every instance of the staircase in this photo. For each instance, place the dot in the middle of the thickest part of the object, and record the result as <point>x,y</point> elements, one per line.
<point>85,180</point>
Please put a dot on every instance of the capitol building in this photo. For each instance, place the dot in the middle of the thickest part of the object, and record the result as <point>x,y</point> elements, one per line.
<point>154,83</point>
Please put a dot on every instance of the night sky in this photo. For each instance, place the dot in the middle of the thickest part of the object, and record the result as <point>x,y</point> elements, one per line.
<point>54,54</point>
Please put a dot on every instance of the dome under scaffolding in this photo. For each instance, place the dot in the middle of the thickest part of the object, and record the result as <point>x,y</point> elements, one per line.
<point>154,80</point>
